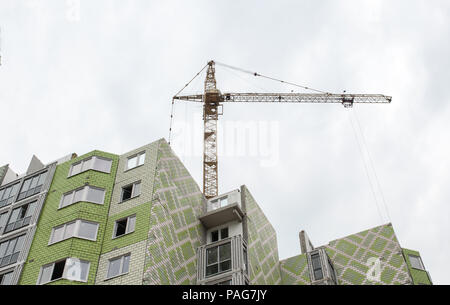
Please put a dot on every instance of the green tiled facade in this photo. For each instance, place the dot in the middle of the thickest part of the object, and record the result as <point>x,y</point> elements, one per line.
<point>419,277</point>
<point>294,271</point>
<point>41,253</point>
<point>262,245</point>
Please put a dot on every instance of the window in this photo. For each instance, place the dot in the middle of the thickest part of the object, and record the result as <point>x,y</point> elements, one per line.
<point>219,234</point>
<point>135,160</point>
<point>317,266</point>
<point>119,265</point>
<point>131,191</point>
<point>32,186</point>
<point>10,250</point>
<point>6,278</point>
<point>219,203</point>
<point>245,260</point>
<point>333,274</point>
<point>79,228</point>
<point>21,216</point>
<point>7,194</point>
<point>218,259</point>
<point>87,193</point>
<point>70,268</point>
<point>95,163</point>
<point>3,219</point>
<point>124,226</point>
<point>416,262</point>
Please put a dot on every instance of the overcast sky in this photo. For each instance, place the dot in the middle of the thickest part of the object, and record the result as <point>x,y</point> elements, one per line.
<point>83,75</point>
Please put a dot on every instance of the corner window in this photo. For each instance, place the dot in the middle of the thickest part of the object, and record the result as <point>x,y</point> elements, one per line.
<point>416,262</point>
<point>3,219</point>
<point>119,265</point>
<point>219,234</point>
<point>87,193</point>
<point>124,226</point>
<point>79,228</point>
<point>131,191</point>
<point>7,195</point>
<point>218,259</point>
<point>32,186</point>
<point>317,266</point>
<point>21,216</point>
<point>6,278</point>
<point>96,163</point>
<point>135,160</point>
<point>70,268</point>
<point>10,250</point>
<point>218,203</point>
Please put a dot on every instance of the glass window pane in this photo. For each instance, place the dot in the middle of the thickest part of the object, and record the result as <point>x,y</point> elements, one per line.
<point>225,252</point>
<point>126,264</point>
<point>14,215</point>
<point>46,274</point>
<point>3,247</point>
<point>3,219</point>
<point>131,224</point>
<point>87,164</point>
<point>34,182</point>
<point>103,165</point>
<point>95,195</point>
<point>42,178</point>
<point>211,256</point>
<point>76,269</point>
<point>78,195</point>
<point>76,169</point>
<point>25,187</point>
<point>137,189</point>
<point>67,199</point>
<point>114,267</point>
<point>224,233</point>
<point>57,234</point>
<point>14,190</point>
<point>1,193</point>
<point>416,262</point>
<point>19,244</point>
<point>11,245</point>
<point>70,230</point>
<point>58,270</point>
<point>84,270</point>
<point>121,226</point>
<point>224,266</point>
<point>213,269</point>
<point>132,162</point>
<point>214,236</point>
<point>88,230</point>
<point>30,209</point>
<point>141,159</point>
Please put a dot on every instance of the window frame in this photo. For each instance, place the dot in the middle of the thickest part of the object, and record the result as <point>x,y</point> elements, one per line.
<point>138,156</point>
<point>27,204</point>
<point>122,260</point>
<point>127,226</point>
<point>2,277</point>
<point>419,259</point>
<point>133,191</point>
<point>16,187</point>
<point>313,269</point>
<point>64,274</point>
<point>92,166</point>
<point>219,234</point>
<point>218,261</point>
<point>75,233</point>
<point>36,189</point>
<point>84,198</point>
<point>14,250</point>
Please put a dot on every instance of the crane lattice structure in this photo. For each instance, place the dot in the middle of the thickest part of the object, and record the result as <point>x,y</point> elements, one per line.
<point>213,100</point>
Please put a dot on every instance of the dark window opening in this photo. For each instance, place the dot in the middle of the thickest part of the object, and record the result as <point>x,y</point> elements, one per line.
<point>58,270</point>
<point>224,233</point>
<point>126,192</point>
<point>317,267</point>
<point>214,236</point>
<point>121,227</point>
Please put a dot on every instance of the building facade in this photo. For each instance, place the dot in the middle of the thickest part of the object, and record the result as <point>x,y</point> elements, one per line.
<point>140,218</point>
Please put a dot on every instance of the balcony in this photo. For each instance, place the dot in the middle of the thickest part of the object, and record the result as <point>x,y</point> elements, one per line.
<point>222,209</point>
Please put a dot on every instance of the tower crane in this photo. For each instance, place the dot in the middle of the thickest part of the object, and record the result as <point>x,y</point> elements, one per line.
<point>213,101</point>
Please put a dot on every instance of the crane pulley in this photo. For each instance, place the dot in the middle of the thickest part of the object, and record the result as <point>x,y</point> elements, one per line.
<point>213,99</point>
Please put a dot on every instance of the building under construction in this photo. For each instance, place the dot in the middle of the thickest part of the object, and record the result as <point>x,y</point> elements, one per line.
<point>140,218</point>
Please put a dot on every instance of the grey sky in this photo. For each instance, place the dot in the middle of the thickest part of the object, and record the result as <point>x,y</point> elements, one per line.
<point>105,82</point>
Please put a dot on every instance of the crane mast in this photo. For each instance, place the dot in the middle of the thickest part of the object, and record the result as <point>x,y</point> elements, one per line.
<point>213,100</point>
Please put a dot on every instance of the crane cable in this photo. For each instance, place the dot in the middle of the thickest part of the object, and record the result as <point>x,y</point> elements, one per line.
<point>271,78</point>
<point>373,168</point>
<point>365,166</point>
<point>173,101</point>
